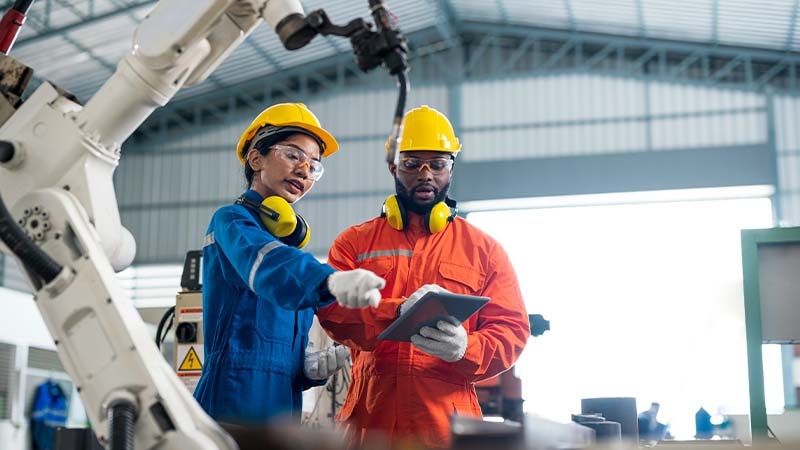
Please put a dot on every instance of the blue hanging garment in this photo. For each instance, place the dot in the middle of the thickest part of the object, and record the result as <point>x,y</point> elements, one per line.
<point>49,412</point>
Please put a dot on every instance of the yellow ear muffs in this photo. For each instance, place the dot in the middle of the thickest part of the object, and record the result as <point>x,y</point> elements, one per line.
<point>438,217</point>
<point>394,212</point>
<point>280,220</point>
<point>435,221</point>
<point>300,236</point>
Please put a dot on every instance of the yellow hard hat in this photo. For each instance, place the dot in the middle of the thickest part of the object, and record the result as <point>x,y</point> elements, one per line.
<point>296,115</point>
<point>425,128</point>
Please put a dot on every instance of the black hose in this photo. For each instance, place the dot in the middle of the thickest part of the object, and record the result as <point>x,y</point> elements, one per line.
<point>31,256</point>
<point>397,122</point>
<point>160,329</point>
<point>402,83</point>
<point>121,421</point>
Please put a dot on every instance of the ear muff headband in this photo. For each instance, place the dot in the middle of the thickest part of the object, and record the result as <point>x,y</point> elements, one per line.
<point>435,221</point>
<point>279,219</point>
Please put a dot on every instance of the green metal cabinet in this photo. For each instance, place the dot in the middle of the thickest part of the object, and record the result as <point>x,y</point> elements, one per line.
<point>771,271</point>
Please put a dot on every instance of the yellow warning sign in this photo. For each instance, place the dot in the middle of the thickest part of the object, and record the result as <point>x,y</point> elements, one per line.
<point>191,361</point>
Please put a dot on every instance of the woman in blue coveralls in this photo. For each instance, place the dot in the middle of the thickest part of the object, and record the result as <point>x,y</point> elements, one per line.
<point>260,290</point>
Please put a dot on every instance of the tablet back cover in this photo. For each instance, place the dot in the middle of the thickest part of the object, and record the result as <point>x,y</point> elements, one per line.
<point>431,308</point>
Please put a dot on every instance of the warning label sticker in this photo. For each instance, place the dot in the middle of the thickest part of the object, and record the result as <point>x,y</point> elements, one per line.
<point>193,314</point>
<point>190,379</point>
<point>190,358</point>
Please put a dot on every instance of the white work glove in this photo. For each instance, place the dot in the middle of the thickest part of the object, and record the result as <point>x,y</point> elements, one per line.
<point>322,364</point>
<point>447,341</point>
<point>414,298</point>
<point>356,288</point>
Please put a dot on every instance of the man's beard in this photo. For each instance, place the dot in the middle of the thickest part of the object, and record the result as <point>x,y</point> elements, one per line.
<point>407,200</point>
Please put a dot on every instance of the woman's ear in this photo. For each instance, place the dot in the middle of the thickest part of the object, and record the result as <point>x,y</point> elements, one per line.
<point>255,159</point>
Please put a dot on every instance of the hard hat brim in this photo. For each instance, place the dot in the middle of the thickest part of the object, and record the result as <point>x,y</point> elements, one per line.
<point>331,146</point>
<point>322,136</point>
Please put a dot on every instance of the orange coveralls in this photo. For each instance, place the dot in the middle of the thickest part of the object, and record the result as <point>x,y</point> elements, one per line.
<point>397,389</point>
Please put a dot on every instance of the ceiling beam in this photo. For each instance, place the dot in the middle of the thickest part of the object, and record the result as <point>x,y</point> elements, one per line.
<point>729,51</point>
<point>448,27</point>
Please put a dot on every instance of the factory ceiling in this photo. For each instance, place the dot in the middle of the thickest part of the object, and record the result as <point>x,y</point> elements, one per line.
<point>77,44</point>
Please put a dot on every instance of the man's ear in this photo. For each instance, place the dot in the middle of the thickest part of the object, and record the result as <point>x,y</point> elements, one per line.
<point>392,168</point>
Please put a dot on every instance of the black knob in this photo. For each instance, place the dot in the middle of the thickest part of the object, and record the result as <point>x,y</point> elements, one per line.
<point>186,332</point>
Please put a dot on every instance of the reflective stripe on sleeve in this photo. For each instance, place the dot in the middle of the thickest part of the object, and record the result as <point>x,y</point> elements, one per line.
<point>394,252</point>
<point>209,239</point>
<point>261,254</point>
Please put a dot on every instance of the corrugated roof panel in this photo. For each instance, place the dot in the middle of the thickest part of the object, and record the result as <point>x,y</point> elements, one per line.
<point>246,63</point>
<point>548,13</point>
<point>761,24</point>
<point>112,31</point>
<point>606,15</point>
<point>678,19</point>
<point>557,98</point>
<point>414,15</point>
<point>551,13</point>
<point>87,83</point>
<point>475,10</point>
<point>41,58</point>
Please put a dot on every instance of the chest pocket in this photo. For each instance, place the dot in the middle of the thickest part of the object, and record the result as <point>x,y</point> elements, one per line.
<point>459,279</point>
<point>382,266</point>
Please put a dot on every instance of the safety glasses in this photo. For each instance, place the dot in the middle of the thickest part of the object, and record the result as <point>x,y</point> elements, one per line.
<point>297,157</point>
<point>435,165</point>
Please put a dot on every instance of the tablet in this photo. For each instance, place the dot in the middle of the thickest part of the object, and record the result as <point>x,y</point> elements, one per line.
<point>431,308</point>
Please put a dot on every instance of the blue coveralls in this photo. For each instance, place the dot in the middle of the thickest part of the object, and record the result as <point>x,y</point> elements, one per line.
<point>259,298</point>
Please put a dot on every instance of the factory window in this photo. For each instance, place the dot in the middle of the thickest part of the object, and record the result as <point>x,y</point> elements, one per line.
<point>644,300</point>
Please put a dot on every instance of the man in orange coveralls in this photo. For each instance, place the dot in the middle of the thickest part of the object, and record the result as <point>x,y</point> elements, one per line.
<point>409,391</point>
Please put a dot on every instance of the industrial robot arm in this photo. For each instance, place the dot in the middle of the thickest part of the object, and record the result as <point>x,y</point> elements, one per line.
<point>62,222</point>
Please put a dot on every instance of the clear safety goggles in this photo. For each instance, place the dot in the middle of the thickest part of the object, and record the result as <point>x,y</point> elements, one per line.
<point>435,165</point>
<point>297,157</point>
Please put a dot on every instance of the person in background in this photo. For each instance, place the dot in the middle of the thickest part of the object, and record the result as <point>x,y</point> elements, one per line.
<point>408,391</point>
<point>260,290</point>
